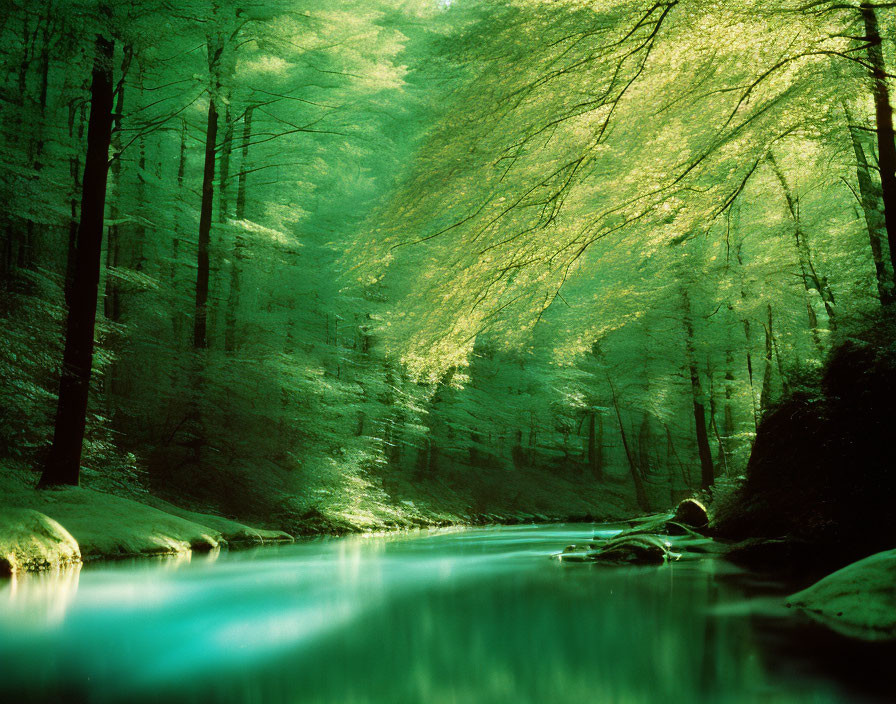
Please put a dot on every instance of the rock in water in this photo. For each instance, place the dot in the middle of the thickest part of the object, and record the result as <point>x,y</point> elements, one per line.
<point>31,541</point>
<point>692,513</point>
<point>857,601</point>
<point>628,549</point>
<point>635,550</point>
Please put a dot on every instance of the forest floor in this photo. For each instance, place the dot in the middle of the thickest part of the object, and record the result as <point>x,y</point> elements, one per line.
<point>463,495</point>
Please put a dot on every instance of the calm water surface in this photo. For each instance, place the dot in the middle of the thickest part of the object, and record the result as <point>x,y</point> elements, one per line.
<point>468,616</point>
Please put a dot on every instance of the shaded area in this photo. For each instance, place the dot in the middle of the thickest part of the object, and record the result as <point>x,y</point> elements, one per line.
<point>820,478</point>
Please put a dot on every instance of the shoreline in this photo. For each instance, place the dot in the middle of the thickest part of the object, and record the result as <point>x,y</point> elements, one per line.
<point>48,529</point>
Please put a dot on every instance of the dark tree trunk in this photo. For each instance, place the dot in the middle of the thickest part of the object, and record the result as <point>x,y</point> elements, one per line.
<point>244,165</point>
<point>644,442</point>
<point>224,170</point>
<point>111,299</point>
<point>233,298</point>
<point>596,445</point>
<point>64,462</point>
<point>75,173</point>
<point>722,453</point>
<point>27,58</point>
<point>200,331</point>
<point>44,88</point>
<point>765,393</point>
<point>883,110</point>
<point>25,258</point>
<point>114,249</point>
<point>748,336</point>
<point>729,391</point>
<point>111,294</point>
<point>640,493</point>
<point>26,237</point>
<point>707,470</point>
<point>8,255</point>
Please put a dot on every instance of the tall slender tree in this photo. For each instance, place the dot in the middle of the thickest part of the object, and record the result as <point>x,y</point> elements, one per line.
<point>63,465</point>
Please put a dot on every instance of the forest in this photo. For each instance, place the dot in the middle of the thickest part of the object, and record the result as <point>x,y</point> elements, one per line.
<point>280,269</point>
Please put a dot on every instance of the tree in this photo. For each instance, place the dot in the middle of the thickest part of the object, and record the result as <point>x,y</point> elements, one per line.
<point>63,464</point>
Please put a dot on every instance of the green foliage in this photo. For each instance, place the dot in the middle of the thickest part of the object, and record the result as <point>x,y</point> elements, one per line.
<point>451,243</point>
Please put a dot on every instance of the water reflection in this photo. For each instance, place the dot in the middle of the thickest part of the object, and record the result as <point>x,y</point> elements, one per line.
<point>456,616</point>
<point>42,599</point>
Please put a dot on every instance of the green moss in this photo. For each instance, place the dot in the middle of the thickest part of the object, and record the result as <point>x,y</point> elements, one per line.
<point>51,528</point>
<point>858,600</point>
<point>30,540</point>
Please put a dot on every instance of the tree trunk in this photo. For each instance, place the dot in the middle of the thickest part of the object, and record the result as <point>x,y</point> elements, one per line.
<point>27,58</point>
<point>596,445</point>
<point>870,200</point>
<point>765,393</point>
<point>75,173</point>
<point>44,88</point>
<point>233,299</point>
<point>748,336</point>
<point>111,302</point>
<point>200,332</point>
<point>785,384</point>
<point>883,110</point>
<point>722,453</point>
<point>729,392</point>
<point>112,297</point>
<point>808,272</point>
<point>644,443</point>
<point>640,493</point>
<point>64,462</point>
<point>244,165</point>
<point>224,170</point>
<point>707,470</point>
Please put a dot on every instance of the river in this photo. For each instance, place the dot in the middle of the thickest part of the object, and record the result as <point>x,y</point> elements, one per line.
<point>454,616</point>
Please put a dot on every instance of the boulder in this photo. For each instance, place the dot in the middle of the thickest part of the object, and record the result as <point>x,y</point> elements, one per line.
<point>857,601</point>
<point>691,513</point>
<point>31,541</point>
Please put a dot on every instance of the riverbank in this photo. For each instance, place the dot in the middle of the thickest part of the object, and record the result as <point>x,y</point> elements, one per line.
<point>51,528</point>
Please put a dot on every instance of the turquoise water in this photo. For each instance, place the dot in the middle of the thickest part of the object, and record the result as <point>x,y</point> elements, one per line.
<point>479,615</point>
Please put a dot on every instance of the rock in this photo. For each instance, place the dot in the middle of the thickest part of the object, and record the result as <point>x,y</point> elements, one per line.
<point>857,601</point>
<point>635,550</point>
<point>31,541</point>
<point>205,544</point>
<point>691,513</point>
<point>587,547</point>
<point>639,549</point>
<point>577,553</point>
